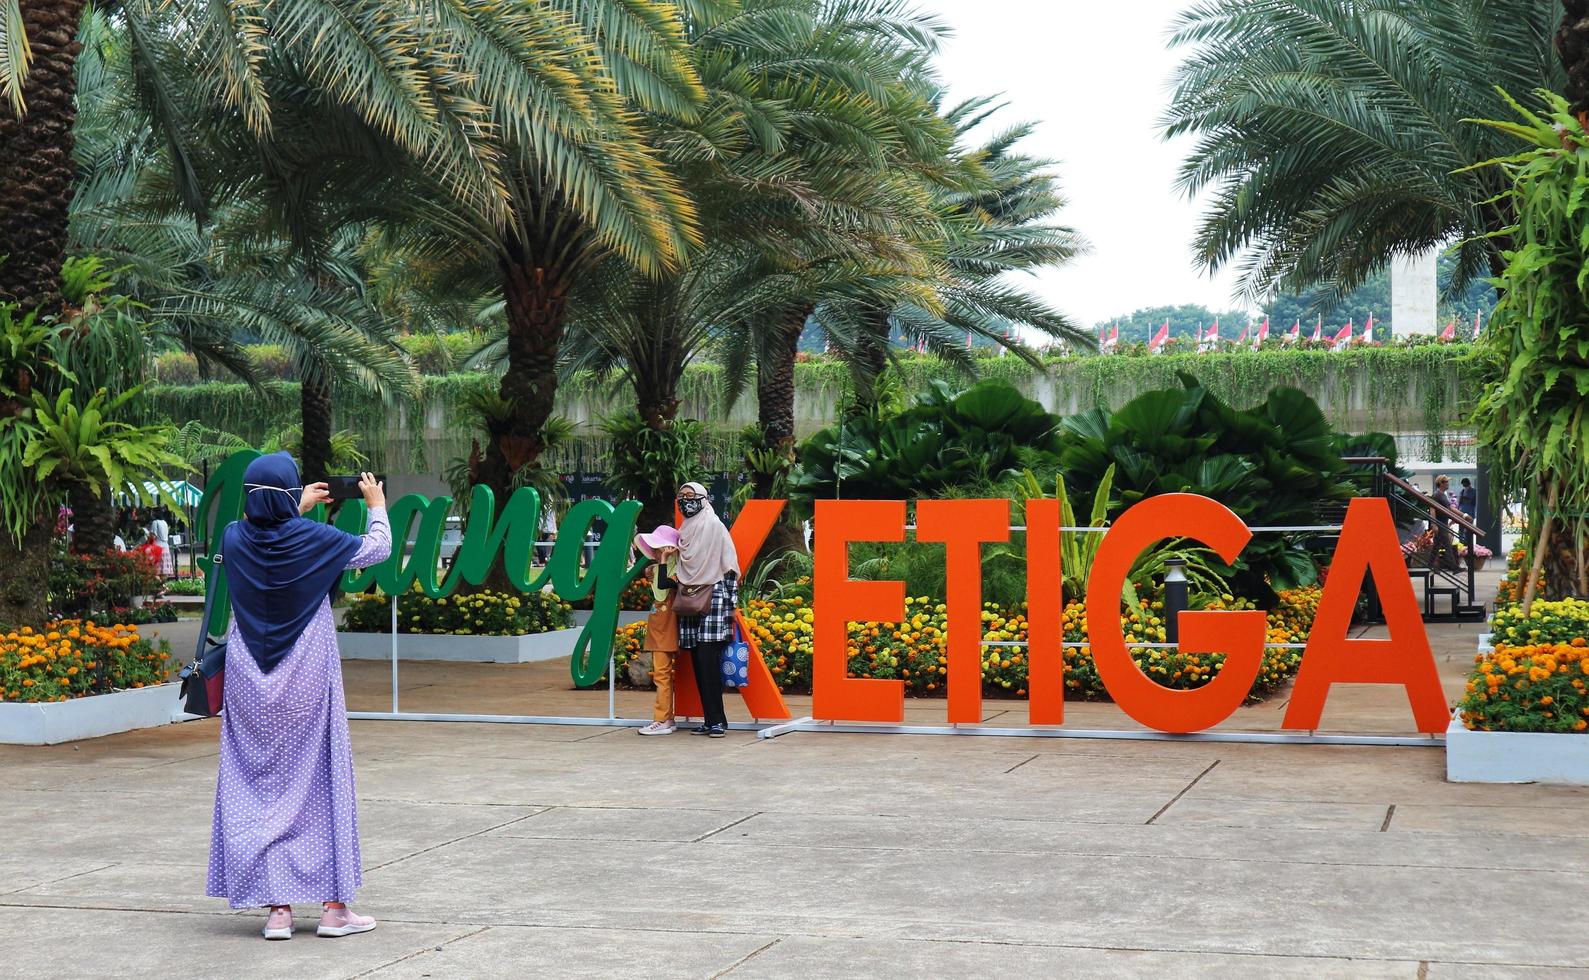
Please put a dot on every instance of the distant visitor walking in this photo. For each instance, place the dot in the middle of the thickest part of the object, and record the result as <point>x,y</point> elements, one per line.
<point>286,824</point>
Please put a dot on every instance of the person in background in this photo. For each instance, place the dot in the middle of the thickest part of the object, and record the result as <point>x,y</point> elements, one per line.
<point>543,547</point>
<point>662,626</point>
<point>160,536</point>
<point>1468,504</point>
<point>1444,554</point>
<point>285,829</point>
<point>1468,499</point>
<point>706,556</point>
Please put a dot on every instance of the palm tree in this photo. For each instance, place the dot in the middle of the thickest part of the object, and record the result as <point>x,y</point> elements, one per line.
<point>1330,134</point>
<point>994,218</point>
<point>806,104</point>
<point>38,83</point>
<point>1572,47</point>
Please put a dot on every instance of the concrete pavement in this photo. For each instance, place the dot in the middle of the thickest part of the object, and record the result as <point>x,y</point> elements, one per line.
<point>531,851</point>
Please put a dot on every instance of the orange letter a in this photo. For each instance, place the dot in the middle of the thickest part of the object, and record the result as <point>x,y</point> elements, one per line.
<point>1368,542</point>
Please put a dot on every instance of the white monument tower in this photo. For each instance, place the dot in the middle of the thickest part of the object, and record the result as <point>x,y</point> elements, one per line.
<point>1412,293</point>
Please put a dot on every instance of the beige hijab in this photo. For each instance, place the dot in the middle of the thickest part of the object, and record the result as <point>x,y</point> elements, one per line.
<point>706,551</point>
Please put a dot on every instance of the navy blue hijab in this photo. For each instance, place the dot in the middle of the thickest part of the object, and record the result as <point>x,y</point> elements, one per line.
<point>279,565</point>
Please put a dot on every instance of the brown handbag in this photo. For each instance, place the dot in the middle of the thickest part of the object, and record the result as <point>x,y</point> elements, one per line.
<point>662,629</point>
<point>693,600</point>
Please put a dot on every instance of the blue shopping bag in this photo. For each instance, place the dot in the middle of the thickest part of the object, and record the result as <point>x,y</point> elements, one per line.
<point>736,661</point>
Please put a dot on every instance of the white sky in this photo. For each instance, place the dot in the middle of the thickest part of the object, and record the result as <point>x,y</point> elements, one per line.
<point>1095,78</point>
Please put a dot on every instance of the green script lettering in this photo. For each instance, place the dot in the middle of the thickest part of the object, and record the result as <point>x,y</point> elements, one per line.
<point>487,536</point>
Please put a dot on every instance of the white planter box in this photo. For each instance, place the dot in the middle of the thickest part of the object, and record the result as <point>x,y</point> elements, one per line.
<point>90,717</point>
<point>523,649</point>
<point>625,617</point>
<point>1515,757</point>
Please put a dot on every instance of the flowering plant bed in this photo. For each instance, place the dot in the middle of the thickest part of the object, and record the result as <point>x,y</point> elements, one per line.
<point>915,650</point>
<point>479,627</point>
<point>1523,716</point>
<point>472,614</point>
<point>73,659</point>
<point>1536,679</point>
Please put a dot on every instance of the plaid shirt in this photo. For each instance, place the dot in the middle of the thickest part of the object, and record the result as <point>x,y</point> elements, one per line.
<point>716,625</point>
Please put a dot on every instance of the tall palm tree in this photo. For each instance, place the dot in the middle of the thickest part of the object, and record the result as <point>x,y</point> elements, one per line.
<point>1572,47</point>
<point>38,45</point>
<point>806,104</point>
<point>1330,134</point>
<point>995,219</point>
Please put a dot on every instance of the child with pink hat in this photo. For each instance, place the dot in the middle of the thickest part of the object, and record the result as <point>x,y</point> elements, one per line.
<point>662,626</point>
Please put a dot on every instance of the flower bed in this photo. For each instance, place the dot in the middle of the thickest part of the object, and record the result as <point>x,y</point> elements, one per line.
<point>1536,678</point>
<point>73,659</point>
<point>472,614</point>
<point>916,650</point>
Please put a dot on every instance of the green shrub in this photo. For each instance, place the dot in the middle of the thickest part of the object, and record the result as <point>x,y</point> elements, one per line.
<point>986,433</point>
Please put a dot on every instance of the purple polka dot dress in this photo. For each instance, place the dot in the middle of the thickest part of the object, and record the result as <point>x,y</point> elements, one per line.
<point>286,827</point>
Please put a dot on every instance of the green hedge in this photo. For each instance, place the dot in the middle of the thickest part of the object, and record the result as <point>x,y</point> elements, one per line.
<point>1438,373</point>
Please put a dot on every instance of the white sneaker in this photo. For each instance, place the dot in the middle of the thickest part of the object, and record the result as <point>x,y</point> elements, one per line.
<point>658,728</point>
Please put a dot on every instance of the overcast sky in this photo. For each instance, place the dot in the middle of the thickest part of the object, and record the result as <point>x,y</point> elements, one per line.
<point>1095,77</point>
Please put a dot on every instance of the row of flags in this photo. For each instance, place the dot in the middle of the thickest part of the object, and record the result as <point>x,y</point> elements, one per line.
<point>1109,337</point>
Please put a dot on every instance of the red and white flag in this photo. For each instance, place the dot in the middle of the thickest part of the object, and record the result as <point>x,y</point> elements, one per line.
<point>1158,340</point>
<point>1344,337</point>
<point>1210,340</point>
<point>1478,322</point>
<point>1244,331</point>
<point>1103,338</point>
<point>1318,329</point>
<point>1263,334</point>
<point>1295,334</point>
<point>968,340</point>
<point>1368,330</point>
<point>1450,332</point>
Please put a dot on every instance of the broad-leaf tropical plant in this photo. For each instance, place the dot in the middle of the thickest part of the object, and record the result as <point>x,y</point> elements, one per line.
<point>86,449</point>
<point>1533,412</point>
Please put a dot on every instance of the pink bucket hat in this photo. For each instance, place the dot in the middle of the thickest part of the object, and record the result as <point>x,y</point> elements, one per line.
<point>665,536</point>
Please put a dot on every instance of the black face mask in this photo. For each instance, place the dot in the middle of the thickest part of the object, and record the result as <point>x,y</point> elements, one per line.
<point>691,506</point>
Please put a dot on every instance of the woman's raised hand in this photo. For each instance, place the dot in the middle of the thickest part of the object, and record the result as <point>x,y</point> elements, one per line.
<point>314,493</point>
<point>374,493</point>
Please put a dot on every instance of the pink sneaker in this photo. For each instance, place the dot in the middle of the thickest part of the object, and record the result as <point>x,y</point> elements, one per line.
<point>343,922</point>
<point>279,925</point>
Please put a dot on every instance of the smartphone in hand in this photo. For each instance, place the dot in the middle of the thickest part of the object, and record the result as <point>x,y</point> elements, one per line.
<point>347,487</point>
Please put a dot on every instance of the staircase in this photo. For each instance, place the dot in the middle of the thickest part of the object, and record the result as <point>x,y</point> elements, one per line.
<point>1448,581</point>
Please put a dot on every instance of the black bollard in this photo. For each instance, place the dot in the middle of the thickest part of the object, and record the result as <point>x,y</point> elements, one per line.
<point>1174,597</point>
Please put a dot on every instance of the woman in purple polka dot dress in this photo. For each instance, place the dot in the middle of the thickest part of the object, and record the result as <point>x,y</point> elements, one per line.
<point>286,824</point>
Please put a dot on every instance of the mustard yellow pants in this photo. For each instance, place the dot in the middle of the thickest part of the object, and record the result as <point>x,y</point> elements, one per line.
<point>662,674</point>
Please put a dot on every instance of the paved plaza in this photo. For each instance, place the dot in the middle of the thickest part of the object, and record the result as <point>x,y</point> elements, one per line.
<point>518,851</point>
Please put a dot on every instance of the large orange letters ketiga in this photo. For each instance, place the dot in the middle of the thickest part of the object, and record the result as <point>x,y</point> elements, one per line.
<point>1368,542</point>
<point>963,526</point>
<point>1239,635</point>
<point>761,695</point>
<point>837,599</point>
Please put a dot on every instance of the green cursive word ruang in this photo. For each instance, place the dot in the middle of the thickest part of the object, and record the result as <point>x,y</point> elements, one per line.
<point>487,537</point>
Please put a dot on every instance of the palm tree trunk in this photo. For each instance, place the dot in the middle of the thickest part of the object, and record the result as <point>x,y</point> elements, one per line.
<point>1572,47</point>
<point>314,409</point>
<point>775,387</point>
<point>536,302</point>
<point>775,411</point>
<point>24,572</point>
<point>93,520</point>
<point>657,402</point>
<point>37,177</point>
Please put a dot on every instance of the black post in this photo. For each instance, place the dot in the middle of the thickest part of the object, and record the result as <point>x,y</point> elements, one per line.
<point>1489,508</point>
<point>1174,597</point>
